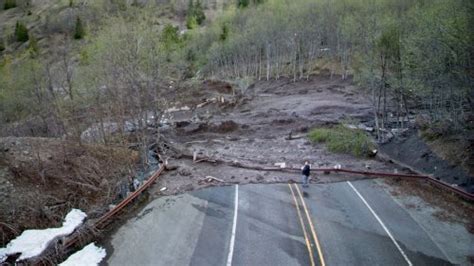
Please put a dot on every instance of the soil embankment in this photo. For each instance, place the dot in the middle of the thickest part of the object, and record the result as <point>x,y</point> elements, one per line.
<point>410,149</point>
<point>41,179</point>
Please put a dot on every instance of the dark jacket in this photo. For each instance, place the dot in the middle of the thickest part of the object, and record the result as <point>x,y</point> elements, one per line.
<point>306,170</point>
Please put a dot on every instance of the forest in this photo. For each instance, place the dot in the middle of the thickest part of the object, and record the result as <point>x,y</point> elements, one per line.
<point>408,55</point>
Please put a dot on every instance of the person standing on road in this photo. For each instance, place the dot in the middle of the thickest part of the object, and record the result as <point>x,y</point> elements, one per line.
<point>305,169</point>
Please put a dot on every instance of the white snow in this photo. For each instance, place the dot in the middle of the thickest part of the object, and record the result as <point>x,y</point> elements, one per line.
<point>176,109</point>
<point>32,242</point>
<point>88,256</point>
<point>281,165</point>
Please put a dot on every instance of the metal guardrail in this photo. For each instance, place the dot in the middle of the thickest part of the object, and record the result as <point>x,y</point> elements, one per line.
<point>102,221</point>
<point>458,191</point>
<point>462,193</point>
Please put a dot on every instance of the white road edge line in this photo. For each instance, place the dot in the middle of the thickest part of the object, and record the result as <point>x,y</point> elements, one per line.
<point>381,223</point>
<point>423,228</point>
<point>234,227</point>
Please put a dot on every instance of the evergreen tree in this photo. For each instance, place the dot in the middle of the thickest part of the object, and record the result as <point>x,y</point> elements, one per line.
<point>199,12</point>
<point>21,32</point>
<point>170,37</point>
<point>195,14</point>
<point>190,7</point>
<point>79,31</point>
<point>9,4</point>
<point>2,46</point>
<point>225,32</point>
<point>243,3</point>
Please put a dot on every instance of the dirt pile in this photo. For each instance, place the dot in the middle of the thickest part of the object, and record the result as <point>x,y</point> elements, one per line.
<point>43,178</point>
<point>217,85</point>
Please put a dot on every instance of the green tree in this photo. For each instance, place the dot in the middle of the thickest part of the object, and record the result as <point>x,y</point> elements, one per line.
<point>2,45</point>
<point>79,31</point>
<point>195,14</point>
<point>9,4</point>
<point>170,36</point>
<point>243,3</point>
<point>199,12</point>
<point>21,32</point>
<point>225,32</point>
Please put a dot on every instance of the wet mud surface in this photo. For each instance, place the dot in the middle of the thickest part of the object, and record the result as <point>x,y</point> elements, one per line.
<point>256,131</point>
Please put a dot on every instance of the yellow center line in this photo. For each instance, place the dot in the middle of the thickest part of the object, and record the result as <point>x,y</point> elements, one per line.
<point>308,245</point>
<point>313,231</point>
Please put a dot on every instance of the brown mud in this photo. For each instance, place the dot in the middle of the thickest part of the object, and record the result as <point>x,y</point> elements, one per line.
<point>255,130</point>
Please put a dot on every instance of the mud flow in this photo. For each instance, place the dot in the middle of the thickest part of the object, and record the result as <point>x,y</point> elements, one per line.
<point>233,141</point>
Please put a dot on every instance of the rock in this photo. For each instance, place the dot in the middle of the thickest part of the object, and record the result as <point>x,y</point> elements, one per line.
<point>188,187</point>
<point>192,128</point>
<point>94,133</point>
<point>181,124</point>
<point>184,172</point>
<point>171,167</point>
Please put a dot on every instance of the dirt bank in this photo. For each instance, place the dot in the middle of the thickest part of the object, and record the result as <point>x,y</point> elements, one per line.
<point>41,179</point>
<point>411,150</point>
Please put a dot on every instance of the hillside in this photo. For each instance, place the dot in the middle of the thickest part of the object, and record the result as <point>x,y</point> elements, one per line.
<point>96,93</point>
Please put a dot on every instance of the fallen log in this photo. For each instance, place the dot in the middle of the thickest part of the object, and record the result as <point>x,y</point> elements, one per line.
<point>210,178</point>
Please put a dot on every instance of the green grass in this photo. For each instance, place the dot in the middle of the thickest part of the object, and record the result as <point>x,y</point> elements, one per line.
<point>340,139</point>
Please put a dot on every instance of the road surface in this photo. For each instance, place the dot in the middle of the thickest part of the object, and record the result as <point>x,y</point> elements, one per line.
<point>346,223</point>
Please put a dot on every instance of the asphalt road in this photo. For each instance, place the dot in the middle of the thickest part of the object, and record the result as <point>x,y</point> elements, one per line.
<point>347,223</point>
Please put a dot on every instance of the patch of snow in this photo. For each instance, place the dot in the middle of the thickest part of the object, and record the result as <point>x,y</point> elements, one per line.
<point>32,242</point>
<point>281,165</point>
<point>88,256</point>
<point>176,109</point>
<point>360,126</point>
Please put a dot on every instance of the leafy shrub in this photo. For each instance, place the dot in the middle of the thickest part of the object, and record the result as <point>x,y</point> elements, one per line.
<point>191,22</point>
<point>437,130</point>
<point>341,139</point>
<point>170,36</point>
